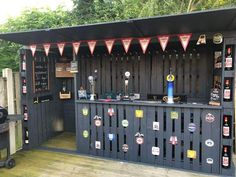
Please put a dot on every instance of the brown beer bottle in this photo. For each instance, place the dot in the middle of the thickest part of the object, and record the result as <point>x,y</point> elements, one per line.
<point>227,91</point>
<point>225,158</point>
<point>226,127</point>
<point>229,59</point>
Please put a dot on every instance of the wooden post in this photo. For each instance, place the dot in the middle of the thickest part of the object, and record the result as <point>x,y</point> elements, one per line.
<point>7,73</point>
<point>3,92</point>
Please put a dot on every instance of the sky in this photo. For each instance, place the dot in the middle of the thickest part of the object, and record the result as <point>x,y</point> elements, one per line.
<point>12,8</point>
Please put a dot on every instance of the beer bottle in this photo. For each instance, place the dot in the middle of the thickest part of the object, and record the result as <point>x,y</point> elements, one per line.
<point>226,127</point>
<point>229,59</point>
<point>227,90</point>
<point>225,158</point>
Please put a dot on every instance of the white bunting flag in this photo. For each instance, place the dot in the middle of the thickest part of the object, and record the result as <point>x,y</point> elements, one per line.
<point>109,43</point>
<point>184,39</point>
<point>61,47</point>
<point>144,43</point>
<point>163,39</point>
<point>46,48</point>
<point>126,43</point>
<point>92,45</point>
<point>76,46</point>
<point>33,49</point>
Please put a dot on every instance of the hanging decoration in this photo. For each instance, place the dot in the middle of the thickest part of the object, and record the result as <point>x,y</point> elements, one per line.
<point>109,43</point>
<point>184,39</point>
<point>126,43</point>
<point>61,47</point>
<point>33,49</point>
<point>144,42</point>
<point>46,48</point>
<point>163,39</point>
<point>76,46</point>
<point>92,45</point>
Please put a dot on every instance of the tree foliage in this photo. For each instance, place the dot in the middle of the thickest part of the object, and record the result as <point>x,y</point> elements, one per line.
<point>94,11</point>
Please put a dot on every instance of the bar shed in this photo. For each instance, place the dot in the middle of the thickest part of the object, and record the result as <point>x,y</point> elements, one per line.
<point>129,61</point>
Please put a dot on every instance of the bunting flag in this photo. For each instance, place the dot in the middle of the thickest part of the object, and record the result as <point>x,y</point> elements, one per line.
<point>144,43</point>
<point>184,39</point>
<point>33,49</point>
<point>61,47</point>
<point>109,43</point>
<point>126,43</point>
<point>76,46</point>
<point>46,48</point>
<point>163,39</point>
<point>92,45</point>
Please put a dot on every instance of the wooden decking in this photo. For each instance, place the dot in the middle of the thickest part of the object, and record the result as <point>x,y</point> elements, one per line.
<point>40,163</point>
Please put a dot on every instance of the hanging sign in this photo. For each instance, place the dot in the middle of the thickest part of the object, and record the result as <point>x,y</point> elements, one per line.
<point>164,39</point>
<point>144,43</point>
<point>85,134</point>
<point>217,38</point>
<point>85,111</point>
<point>109,43</point>
<point>125,123</point>
<point>174,115</point>
<point>33,49</point>
<point>92,45</point>
<point>111,136</point>
<point>98,121</point>
<point>184,39</point>
<point>126,43</point>
<point>125,147</point>
<point>139,138</point>
<point>209,143</point>
<point>201,39</point>
<point>111,112</point>
<point>192,154</point>
<point>98,144</point>
<point>155,125</point>
<point>210,118</point>
<point>155,150</point>
<point>139,113</point>
<point>76,46</point>
<point>192,127</point>
<point>173,140</point>
<point>61,47</point>
<point>74,66</point>
<point>46,48</point>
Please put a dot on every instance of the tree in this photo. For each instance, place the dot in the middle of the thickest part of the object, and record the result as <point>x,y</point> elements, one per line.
<point>30,19</point>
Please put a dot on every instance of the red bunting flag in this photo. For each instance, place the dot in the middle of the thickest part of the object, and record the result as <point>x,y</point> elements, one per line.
<point>126,43</point>
<point>109,43</point>
<point>144,43</point>
<point>163,39</point>
<point>33,49</point>
<point>92,45</point>
<point>61,47</point>
<point>46,48</point>
<point>76,46</point>
<point>184,39</point>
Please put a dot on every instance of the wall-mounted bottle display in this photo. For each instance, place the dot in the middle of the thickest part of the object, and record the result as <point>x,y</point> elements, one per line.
<point>227,90</point>
<point>26,136</point>
<point>227,126</point>
<point>41,75</point>
<point>24,87</point>
<point>229,57</point>
<point>226,157</point>
<point>25,113</point>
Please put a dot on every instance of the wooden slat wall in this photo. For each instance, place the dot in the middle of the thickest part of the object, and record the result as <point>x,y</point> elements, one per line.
<point>192,69</point>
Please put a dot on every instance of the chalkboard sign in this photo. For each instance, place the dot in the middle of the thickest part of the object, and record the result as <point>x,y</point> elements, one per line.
<point>215,97</point>
<point>40,75</point>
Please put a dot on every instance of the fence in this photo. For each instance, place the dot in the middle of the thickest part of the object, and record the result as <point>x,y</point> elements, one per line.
<point>10,99</point>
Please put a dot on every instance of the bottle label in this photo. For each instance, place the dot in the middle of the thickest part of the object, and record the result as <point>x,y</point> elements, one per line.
<point>26,141</point>
<point>225,161</point>
<point>23,66</point>
<point>25,116</point>
<point>226,93</point>
<point>226,131</point>
<point>24,89</point>
<point>228,62</point>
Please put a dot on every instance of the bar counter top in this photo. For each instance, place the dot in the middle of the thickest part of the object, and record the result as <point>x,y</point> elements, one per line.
<point>149,103</point>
